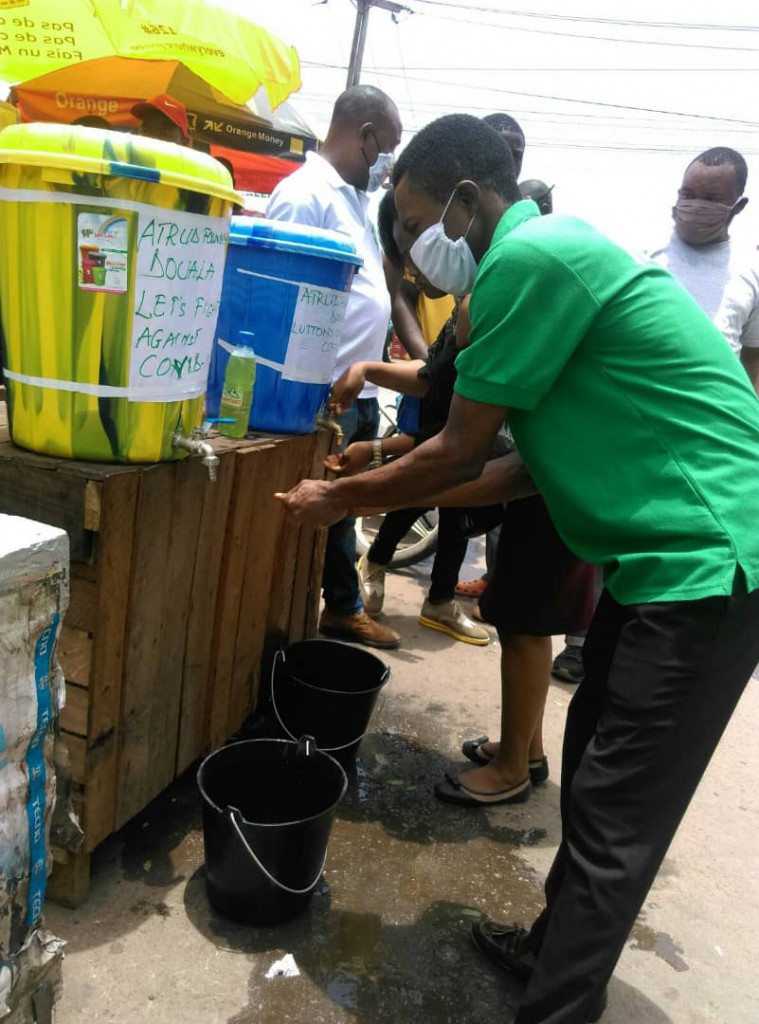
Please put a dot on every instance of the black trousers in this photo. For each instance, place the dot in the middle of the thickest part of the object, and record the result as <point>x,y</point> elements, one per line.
<point>451,547</point>
<point>661,682</point>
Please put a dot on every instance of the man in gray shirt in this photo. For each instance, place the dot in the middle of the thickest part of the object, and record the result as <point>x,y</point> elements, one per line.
<point>721,274</point>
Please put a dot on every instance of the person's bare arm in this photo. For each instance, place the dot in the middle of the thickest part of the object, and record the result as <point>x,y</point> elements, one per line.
<point>403,377</point>
<point>463,324</point>
<point>501,480</point>
<point>357,456</point>
<point>455,455</point>
<point>750,360</point>
<point>405,320</point>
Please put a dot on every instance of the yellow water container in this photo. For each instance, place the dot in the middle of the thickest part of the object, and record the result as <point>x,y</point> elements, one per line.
<point>113,250</point>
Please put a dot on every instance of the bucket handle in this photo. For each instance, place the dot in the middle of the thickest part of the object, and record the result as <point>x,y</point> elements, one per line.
<point>234,814</point>
<point>326,750</point>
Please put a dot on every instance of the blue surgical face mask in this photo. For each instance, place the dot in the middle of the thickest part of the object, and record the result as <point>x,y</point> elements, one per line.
<point>447,264</point>
<point>380,171</point>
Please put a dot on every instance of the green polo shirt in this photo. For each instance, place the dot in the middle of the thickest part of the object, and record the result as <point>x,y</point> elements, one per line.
<point>632,413</point>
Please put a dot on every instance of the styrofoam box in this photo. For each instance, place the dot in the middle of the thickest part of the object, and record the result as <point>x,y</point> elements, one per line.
<point>34,561</point>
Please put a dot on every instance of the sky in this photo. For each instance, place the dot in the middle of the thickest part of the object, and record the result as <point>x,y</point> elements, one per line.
<point>614,99</point>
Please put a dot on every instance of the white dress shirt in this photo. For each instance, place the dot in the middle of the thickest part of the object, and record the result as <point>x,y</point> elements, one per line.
<point>315,194</point>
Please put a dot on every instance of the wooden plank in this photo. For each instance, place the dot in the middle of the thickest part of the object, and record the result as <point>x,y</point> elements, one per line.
<point>315,590</point>
<point>260,569</point>
<point>114,562</point>
<point>86,570</point>
<point>190,482</point>
<point>238,534</point>
<point>93,500</point>
<point>142,680</point>
<point>302,584</point>
<point>309,563</point>
<point>69,882</point>
<point>70,468</point>
<point>77,748</point>
<point>49,497</point>
<point>199,649</point>
<point>296,463</point>
<point>75,654</point>
<point>75,713</point>
<point>83,605</point>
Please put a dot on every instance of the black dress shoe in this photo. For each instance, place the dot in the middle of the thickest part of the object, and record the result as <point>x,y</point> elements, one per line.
<point>505,945</point>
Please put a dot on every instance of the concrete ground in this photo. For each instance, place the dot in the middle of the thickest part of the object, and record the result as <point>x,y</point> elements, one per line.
<point>385,939</point>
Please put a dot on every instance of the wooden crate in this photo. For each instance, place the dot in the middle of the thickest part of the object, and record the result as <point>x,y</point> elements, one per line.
<point>180,590</point>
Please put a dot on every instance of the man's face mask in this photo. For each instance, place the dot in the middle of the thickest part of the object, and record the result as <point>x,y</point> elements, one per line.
<point>701,221</point>
<point>447,264</point>
<point>380,170</point>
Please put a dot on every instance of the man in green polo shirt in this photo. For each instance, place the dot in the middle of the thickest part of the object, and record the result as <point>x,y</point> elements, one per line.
<point>642,433</point>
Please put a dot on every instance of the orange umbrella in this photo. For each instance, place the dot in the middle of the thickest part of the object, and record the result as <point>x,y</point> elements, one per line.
<point>110,86</point>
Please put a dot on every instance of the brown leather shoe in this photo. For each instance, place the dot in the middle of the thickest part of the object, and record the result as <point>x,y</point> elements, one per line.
<point>358,629</point>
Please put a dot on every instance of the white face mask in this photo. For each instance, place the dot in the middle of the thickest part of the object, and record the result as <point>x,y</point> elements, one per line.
<point>447,264</point>
<point>380,171</point>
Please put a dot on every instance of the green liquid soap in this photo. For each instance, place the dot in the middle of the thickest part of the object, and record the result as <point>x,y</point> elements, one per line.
<point>237,393</point>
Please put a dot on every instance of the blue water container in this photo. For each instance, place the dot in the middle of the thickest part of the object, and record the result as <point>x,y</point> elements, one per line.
<point>289,285</point>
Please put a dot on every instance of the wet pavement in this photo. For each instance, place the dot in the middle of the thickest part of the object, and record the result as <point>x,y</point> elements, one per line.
<point>385,937</point>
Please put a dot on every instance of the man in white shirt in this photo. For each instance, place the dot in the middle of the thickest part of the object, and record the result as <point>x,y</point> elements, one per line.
<point>330,191</point>
<point>720,274</point>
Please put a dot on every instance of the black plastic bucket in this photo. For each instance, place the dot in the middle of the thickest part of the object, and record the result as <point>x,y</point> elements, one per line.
<point>328,689</point>
<point>268,808</point>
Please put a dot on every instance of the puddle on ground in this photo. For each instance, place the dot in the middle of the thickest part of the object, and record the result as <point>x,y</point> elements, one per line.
<point>378,943</point>
<point>663,945</point>
<point>377,940</point>
<point>392,784</point>
<point>163,844</point>
<point>378,973</point>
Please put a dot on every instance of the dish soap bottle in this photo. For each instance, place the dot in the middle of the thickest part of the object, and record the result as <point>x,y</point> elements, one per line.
<point>237,393</point>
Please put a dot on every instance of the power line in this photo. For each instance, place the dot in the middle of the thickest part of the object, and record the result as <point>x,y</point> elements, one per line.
<point>584,35</point>
<point>699,26</point>
<point>570,99</point>
<point>585,71</point>
<point>597,121</point>
<point>544,119</point>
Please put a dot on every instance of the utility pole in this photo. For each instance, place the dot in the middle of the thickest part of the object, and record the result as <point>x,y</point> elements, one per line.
<point>359,34</point>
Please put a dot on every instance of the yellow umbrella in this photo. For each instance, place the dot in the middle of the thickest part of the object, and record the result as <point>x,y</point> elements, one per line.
<point>236,33</point>
<point>38,36</point>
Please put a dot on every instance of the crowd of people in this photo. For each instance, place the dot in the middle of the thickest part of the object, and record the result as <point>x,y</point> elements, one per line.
<point>590,411</point>
<point>577,397</point>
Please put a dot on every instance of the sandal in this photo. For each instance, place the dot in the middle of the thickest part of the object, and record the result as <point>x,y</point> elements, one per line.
<point>471,588</point>
<point>453,791</point>
<point>473,751</point>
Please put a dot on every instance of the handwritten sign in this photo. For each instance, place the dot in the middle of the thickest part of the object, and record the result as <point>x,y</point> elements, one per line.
<point>315,335</point>
<point>180,264</point>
